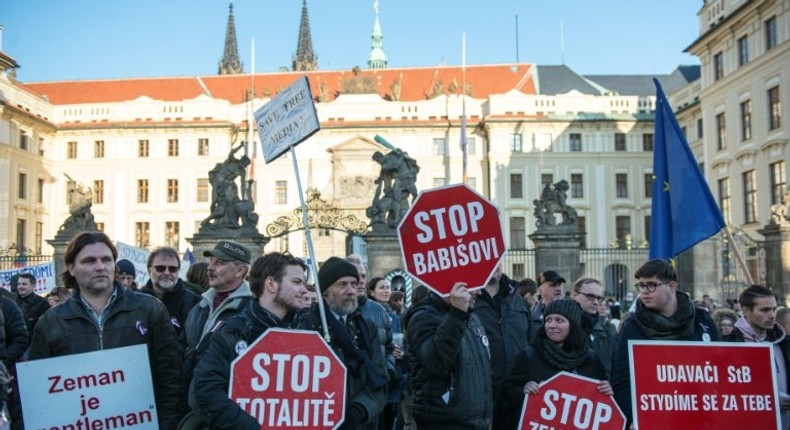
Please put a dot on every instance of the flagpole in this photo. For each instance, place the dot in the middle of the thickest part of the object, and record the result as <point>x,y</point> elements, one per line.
<point>310,249</point>
<point>738,256</point>
<point>463,104</point>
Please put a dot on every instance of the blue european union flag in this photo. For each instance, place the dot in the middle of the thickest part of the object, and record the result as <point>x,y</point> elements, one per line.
<point>684,212</point>
<point>188,256</point>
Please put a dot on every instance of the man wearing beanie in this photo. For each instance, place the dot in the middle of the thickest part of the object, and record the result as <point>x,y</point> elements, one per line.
<point>449,357</point>
<point>354,340</point>
<point>125,273</point>
<point>588,293</point>
<point>663,312</point>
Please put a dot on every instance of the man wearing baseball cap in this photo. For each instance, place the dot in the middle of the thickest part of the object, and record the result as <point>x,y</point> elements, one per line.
<point>549,289</point>
<point>228,264</point>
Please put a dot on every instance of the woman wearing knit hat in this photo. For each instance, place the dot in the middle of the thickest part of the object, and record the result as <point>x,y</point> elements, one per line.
<point>560,345</point>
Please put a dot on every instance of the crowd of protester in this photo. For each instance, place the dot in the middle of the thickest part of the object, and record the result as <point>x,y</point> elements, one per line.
<point>414,359</point>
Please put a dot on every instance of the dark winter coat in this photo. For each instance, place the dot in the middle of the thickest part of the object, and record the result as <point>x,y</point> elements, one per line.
<point>603,339</point>
<point>532,366</point>
<point>71,329</point>
<point>32,307</point>
<point>17,337</point>
<point>506,319</point>
<point>179,301</point>
<point>208,393</point>
<point>360,393</point>
<point>451,373</point>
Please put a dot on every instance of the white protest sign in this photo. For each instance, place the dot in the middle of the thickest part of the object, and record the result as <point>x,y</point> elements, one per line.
<point>95,390</point>
<point>138,257</point>
<point>46,278</point>
<point>287,119</point>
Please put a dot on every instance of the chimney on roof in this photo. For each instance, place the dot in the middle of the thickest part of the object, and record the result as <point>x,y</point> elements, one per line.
<point>1,37</point>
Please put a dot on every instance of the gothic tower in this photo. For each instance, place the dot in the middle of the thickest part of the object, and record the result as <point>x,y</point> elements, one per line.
<point>230,63</point>
<point>304,59</point>
<point>378,60</point>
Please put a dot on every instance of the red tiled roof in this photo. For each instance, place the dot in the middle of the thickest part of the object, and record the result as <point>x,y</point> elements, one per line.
<point>416,84</point>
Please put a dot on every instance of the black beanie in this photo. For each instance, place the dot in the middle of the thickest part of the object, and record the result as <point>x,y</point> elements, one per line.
<point>567,308</point>
<point>333,269</point>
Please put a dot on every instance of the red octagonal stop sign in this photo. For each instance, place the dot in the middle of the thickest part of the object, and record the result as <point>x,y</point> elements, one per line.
<point>290,379</point>
<point>451,234</point>
<point>568,401</point>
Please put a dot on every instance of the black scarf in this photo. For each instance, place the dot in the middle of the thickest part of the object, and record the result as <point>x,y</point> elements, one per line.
<point>354,356</point>
<point>555,355</point>
<point>656,326</point>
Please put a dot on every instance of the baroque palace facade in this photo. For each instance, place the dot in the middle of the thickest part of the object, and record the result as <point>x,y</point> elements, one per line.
<point>145,146</point>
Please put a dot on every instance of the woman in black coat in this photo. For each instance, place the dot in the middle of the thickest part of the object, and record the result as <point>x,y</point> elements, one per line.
<point>560,345</point>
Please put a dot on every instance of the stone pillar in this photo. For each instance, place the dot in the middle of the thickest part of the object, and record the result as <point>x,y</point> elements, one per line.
<point>558,249</point>
<point>201,242</point>
<point>384,253</point>
<point>59,244</point>
<point>777,258</point>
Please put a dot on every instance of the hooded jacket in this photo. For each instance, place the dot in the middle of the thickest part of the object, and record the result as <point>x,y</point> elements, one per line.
<point>451,373</point>
<point>743,332</point>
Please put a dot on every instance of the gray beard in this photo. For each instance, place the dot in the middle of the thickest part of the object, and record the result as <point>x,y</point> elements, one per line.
<point>166,285</point>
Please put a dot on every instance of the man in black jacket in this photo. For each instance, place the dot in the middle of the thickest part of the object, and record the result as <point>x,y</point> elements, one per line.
<point>588,293</point>
<point>164,283</point>
<point>662,313</point>
<point>278,282</point>
<point>506,320</point>
<point>31,304</point>
<point>448,355</point>
<point>104,314</point>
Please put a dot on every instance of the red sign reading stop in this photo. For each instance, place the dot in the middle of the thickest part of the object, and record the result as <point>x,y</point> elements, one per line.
<point>568,401</point>
<point>451,234</point>
<point>290,379</point>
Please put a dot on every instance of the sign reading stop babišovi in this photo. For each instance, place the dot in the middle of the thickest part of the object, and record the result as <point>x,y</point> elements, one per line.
<point>451,234</point>
<point>96,390</point>
<point>290,379</point>
<point>703,385</point>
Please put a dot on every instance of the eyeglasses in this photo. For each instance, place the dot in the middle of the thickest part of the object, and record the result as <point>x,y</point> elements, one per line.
<point>649,286</point>
<point>594,297</point>
<point>161,269</point>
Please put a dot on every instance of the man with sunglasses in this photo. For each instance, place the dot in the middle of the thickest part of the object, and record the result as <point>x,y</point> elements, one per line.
<point>662,313</point>
<point>164,283</point>
<point>588,293</point>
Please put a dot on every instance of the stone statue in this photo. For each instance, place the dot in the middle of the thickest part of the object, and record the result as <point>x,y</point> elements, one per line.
<point>780,213</point>
<point>551,202</point>
<point>228,204</point>
<point>395,188</point>
<point>80,202</point>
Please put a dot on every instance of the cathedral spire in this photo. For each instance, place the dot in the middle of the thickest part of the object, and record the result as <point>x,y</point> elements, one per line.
<point>304,59</point>
<point>230,62</point>
<point>378,60</point>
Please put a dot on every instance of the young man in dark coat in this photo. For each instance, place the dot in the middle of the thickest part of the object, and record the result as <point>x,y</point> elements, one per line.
<point>278,282</point>
<point>31,304</point>
<point>506,319</point>
<point>449,358</point>
<point>758,324</point>
<point>104,314</point>
<point>662,313</point>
